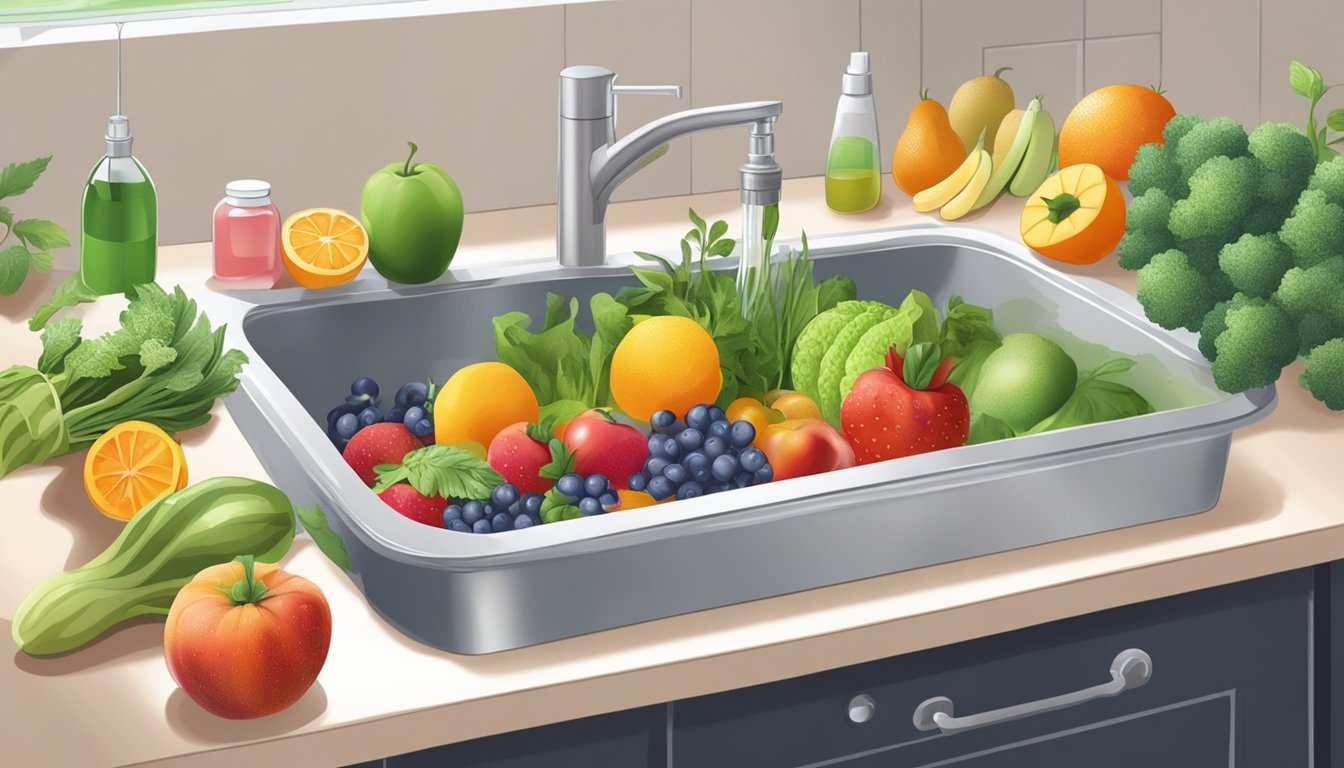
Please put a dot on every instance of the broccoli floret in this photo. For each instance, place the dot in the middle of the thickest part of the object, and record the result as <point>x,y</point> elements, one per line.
<point>1215,322</point>
<point>1329,178</point>
<point>1178,126</point>
<point>1153,168</point>
<point>1315,231</point>
<point>1222,195</point>
<point>1258,342</point>
<point>1223,137</point>
<point>1137,248</point>
<point>1315,328</point>
<point>1149,212</point>
<point>1287,157</point>
<point>1203,252</point>
<point>1267,217</point>
<point>1173,293</point>
<point>1324,374</point>
<point>1255,263</point>
<point>1315,289</point>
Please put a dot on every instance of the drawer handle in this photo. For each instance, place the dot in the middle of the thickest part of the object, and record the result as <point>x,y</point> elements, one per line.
<point>1131,669</point>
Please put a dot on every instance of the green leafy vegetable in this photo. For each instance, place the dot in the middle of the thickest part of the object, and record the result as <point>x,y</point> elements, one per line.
<point>562,461</point>
<point>987,429</point>
<point>314,521</point>
<point>445,471</point>
<point>37,237</point>
<point>556,506</point>
<point>68,294</point>
<point>1095,400</point>
<point>17,178</point>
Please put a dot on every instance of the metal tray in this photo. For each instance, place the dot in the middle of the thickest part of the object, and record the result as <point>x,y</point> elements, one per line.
<point>485,593</point>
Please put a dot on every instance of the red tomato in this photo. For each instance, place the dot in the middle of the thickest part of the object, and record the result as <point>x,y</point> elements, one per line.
<point>246,640</point>
<point>604,446</point>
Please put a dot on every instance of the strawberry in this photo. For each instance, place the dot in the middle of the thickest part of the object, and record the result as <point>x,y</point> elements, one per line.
<point>518,452</point>
<point>378,444</point>
<point>414,504</point>
<point>604,446</point>
<point>905,408</point>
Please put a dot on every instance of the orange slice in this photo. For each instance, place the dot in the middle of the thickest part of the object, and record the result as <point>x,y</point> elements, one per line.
<point>131,465</point>
<point>323,247</point>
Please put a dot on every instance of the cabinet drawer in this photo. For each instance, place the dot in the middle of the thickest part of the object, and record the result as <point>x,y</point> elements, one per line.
<point>1230,671</point>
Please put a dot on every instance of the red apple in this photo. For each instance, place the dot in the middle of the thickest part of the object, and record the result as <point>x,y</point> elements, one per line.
<point>798,447</point>
<point>604,446</point>
<point>518,452</point>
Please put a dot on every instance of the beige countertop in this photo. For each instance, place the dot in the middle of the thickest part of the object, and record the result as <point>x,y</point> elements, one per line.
<point>114,703</point>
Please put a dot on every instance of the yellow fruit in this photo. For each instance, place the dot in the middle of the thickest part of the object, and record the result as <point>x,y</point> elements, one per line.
<point>980,104</point>
<point>941,194</point>
<point>131,465</point>
<point>964,201</point>
<point>665,362</point>
<point>1007,133</point>
<point>480,400</point>
<point>323,247</point>
<point>1076,216</point>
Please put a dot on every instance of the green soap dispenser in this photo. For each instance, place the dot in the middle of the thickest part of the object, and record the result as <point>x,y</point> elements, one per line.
<point>119,217</point>
<point>853,169</point>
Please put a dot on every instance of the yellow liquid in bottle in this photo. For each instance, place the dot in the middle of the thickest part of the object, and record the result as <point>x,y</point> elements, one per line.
<point>853,183</point>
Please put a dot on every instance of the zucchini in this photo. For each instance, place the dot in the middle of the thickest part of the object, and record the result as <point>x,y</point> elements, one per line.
<point>162,547</point>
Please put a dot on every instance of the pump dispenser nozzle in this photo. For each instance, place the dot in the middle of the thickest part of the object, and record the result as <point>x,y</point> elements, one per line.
<point>858,78</point>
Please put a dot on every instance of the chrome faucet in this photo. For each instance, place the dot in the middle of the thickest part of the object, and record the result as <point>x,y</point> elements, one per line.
<point>593,163</point>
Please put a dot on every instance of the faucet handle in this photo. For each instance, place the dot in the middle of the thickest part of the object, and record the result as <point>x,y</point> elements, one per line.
<point>647,90</point>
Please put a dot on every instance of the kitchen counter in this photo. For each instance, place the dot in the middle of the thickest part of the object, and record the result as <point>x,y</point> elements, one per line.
<point>114,703</point>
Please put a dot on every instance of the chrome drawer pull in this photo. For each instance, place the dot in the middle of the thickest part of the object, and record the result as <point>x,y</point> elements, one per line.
<point>1131,669</point>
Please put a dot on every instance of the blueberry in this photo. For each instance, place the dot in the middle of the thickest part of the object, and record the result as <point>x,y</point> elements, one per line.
<point>690,438</point>
<point>395,416</point>
<point>422,428</point>
<point>504,495</point>
<point>725,468</point>
<point>695,461</point>
<point>459,526</point>
<point>501,522</point>
<point>347,426</point>
<point>522,521</point>
<point>638,482</point>
<point>595,486</point>
<point>662,420</point>
<point>590,506</point>
<point>751,459</point>
<point>676,473</point>
<point>656,465</point>
<point>656,443</point>
<point>412,394</point>
<point>716,413</point>
<point>532,504</point>
<point>370,416</point>
<point>364,386</point>
<point>481,526</point>
<point>764,474</point>
<point>690,490</point>
<point>671,448</point>
<point>715,447</point>
<point>570,485</point>
<point>472,512</point>
<point>741,434</point>
<point>698,417</point>
<point>412,415</point>
<point>660,488</point>
<point>451,512</point>
<point>610,499</point>
<point>357,403</point>
<point>742,480</point>
<point>720,428</point>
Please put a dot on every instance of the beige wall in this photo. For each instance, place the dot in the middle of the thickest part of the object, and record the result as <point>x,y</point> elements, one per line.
<point>315,109</point>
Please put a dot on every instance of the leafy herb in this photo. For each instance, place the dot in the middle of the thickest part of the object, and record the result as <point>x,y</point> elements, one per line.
<point>37,237</point>
<point>557,506</point>
<point>314,521</point>
<point>562,461</point>
<point>446,471</point>
<point>67,294</point>
<point>561,362</point>
<point>1308,83</point>
<point>164,365</point>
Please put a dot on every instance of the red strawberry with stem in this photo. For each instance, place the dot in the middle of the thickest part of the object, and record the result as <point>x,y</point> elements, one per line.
<point>906,407</point>
<point>378,444</point>
<point>414,504</point>
<point>520,451</point>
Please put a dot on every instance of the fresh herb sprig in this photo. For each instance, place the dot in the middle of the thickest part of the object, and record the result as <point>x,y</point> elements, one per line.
<point>445,471</point>
<point>1308,83</point>
<point>37,238</point>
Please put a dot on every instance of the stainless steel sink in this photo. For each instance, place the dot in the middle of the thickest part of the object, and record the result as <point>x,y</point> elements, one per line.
<point>483,593</point>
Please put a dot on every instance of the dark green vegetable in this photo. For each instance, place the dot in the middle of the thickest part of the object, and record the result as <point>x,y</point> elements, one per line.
<point>161,549</point>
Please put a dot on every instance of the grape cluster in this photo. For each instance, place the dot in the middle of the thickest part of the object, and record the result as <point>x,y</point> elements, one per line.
<point>591,494</point>
<point>507,510</point>
<point>705,453</point>
<point>362,409</point>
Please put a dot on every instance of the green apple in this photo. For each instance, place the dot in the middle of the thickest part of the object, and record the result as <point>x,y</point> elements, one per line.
<point>413,213</point>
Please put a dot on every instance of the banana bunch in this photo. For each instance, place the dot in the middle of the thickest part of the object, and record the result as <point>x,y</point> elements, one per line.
<point>1020,165</point>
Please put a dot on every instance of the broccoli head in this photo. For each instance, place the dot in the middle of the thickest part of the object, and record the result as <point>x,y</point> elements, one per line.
<point>1173,293</point>
<point>1315,328</point>
<point>1315,230</point>
<point>1222,195</point>
<point>1315,289</point>
<point>1223,137</point>
<point>1215,322</point>
<point>1153,168</point>
<point>1178,126</point>
<point>1267,217</point>
<point>1138,246</point>
<point>1203,252</point>
<point>1149,211</point>
<point>1251,352</point>
<point>1255,263</point>
<point>1324,374</point>
<point>1329,178</point>
<point>1287,157</point>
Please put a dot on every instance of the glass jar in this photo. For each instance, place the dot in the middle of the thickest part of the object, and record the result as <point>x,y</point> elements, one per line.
<point>246,236</point>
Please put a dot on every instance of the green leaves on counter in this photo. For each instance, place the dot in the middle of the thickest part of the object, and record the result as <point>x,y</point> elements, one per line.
<point>446,471</point>
<point>37,237</point>
<point>68,294</point>
<point>314,521</point>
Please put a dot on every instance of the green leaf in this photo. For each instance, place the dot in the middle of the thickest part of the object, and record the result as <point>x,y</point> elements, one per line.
<point>718,229</point>
<point>67,294</point>
<point>562,411</point>
<point>562,461</point>
<point>1306,81</point>
<point>57,341</point>
<point>964,325</point>
<point>154,355</point>
<point>985,429</point>
<point>554,362</point>
<point>1335,120</point>
<point>1094,400</point>
<point>833,291</point>
<point>41,261</point>
<point>18,177</point>
<point>7,219</point>
<point>1111,367</point>
<point>921,361</point>
<point>444,471</point>
<point>14,265</point>
<point>40,234</point>
<point>769,222</point>
<point>722,247</point>
<point>697,220</point>
<point>314,521</point>
<point>652,278</point>
<point>966,371</point>
<point>556,506</point>
<point>611,321</point>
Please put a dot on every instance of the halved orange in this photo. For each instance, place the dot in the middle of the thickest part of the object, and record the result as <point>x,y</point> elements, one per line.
<point>323,247</point>
<point>131,465</point>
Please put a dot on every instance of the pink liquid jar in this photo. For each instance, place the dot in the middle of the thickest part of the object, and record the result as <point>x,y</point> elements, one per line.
<point>247,236</point>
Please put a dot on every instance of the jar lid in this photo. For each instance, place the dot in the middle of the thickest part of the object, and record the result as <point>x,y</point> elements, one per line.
<point>247,188</point>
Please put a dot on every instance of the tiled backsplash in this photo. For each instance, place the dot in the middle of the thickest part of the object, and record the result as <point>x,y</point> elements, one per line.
<point>316,109</point>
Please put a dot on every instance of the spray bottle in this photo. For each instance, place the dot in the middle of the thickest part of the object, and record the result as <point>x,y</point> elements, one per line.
<point>119,216</point>
<point>853,171</point>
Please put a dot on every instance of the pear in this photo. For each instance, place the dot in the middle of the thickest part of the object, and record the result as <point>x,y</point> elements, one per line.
<point>980,104</point>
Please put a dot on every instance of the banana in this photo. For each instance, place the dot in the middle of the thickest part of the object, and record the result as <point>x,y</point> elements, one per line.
<point>1003,172</point>
<point>941,194</point>
<point>1036,162</point>
<point>965,200</point>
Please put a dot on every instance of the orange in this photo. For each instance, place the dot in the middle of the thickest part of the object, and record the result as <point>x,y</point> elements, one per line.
<point>323,247</point>
<point>1110,124</point>
<point>928,150</point>
<point>480,400</point>
<point>131,465</point>
<point>1076,216</point>
<point>665,362</point>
